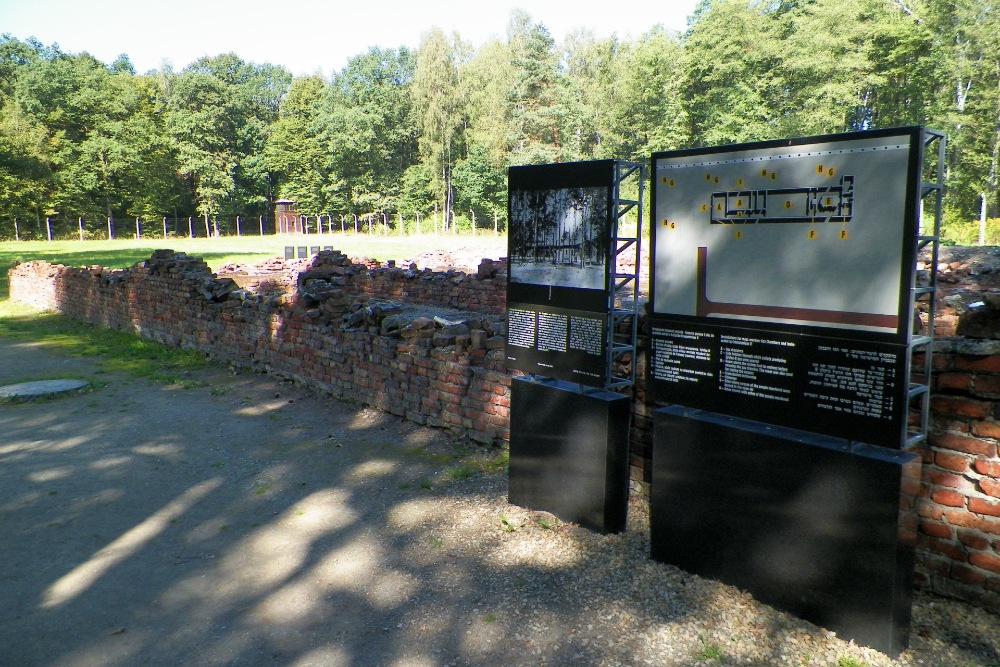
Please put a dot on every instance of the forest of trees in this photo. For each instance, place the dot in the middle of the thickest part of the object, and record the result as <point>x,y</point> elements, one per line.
<point>401,132</point>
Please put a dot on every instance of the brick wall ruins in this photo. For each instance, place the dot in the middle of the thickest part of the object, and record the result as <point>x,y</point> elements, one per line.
<point>428,346</point>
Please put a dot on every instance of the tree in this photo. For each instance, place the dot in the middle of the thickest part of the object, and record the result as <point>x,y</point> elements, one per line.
<point>437,103</point>
<point>732,81</point>
<point>368,131</point>
<point>533,98</point>
<point>649,113</point>
<point>480,186</point>
<point>592,88</point>
<point>253,95</point>
<point>486,80</point>
<point>203,131</point>
<point>968,48</point>
<point>293,154</point>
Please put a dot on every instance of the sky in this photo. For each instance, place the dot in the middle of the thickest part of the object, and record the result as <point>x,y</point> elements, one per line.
<point>306,36</point>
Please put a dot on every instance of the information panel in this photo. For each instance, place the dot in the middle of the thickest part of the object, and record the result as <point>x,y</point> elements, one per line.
<point>558,257</point>
<point>839,387</point>
<point>781,281</point>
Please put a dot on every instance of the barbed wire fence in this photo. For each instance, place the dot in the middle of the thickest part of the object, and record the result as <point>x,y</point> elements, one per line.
<point>64,228</point>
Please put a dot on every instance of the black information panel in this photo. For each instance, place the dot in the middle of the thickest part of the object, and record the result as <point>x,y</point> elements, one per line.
<point>558,258</point>
<point>799,520</point>
<point>556,341</point>
<point>842,387</point>
<point>569,452</point>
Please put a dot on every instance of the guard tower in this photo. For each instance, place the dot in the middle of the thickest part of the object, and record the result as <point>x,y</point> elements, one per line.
<point>286,218</point>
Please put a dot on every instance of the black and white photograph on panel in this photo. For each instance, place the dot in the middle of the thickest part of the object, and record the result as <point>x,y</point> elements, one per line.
<point>559,237</point>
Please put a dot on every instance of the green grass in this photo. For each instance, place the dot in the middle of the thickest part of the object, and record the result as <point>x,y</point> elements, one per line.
<point>122,253</point>
<point>473,466</point>
<point>710,651</point>
<point>850,661</point>
<point>548,524</point>
<point>117,350</point>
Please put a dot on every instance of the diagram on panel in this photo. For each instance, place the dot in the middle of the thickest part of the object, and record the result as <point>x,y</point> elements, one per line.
<point>833,203</point>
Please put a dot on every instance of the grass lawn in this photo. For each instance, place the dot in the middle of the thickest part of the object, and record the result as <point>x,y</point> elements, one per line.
<point>122,253</point>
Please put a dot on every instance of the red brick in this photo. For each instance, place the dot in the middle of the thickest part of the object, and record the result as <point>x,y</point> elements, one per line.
<point>954,381</point>
<point>987,384</point>
<point>973,540</point>
<point>990,487</point>
<point>936,529</point>
<point>963,443</point>
<point>985,561</point>
<point>940,362</point>
<point>973,520</point>
<point>929,511</point>
<point>940,423</point>
<point>954,462</point>
<point>948,480</point>
<point>910,486</point>
<point>968,575</point>
<point>963,407</point>
<point>989,364</point>
<point>986,429</point>
<point>987,467</point>
<point>949,498</point>
<point>946,548</point>
<point>933,564</point>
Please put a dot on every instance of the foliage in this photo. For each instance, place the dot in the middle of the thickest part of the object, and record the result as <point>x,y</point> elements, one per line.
<point>966,232</point>
<point>400,133</point>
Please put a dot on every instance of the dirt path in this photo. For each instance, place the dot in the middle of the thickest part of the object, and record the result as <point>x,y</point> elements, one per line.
<point>237,521</point>
<point>246,521</point>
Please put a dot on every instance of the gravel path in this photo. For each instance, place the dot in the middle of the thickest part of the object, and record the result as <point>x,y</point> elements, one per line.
<point>244,521</point>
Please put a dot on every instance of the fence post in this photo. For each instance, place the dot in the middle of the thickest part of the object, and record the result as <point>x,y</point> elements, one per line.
<point>261,225</point>
<point>190,228</point>
<point>111,228</point>
<point>80,221</point>
<point>48,227</point>
<point>164,228</point>
<point>237,225</point>
<point>138,231</point>
<point>17,233</point>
